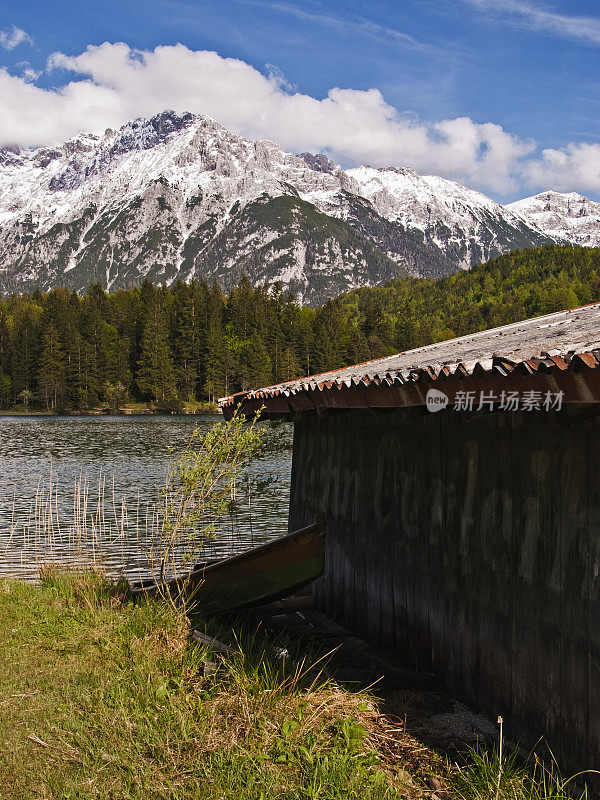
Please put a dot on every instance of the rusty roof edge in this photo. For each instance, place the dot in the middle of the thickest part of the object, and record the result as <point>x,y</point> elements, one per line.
<point>530,367</point>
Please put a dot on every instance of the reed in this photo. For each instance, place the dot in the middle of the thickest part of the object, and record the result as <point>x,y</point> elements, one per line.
<point>87,529</point>
<point>195,509</point>
<point>91,526</point>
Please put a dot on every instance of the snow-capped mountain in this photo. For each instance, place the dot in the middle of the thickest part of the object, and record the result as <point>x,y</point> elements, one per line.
<point>570,216</point>
<point>464,224</point>
<point>178,196</point>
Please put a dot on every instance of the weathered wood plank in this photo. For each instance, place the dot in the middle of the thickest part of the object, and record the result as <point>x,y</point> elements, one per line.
<point>452,458</point>
<point>471,542</point>
<point>592,588</point>
<point>536,632</point>
<point>491,550</point>
<point>571,562</point>
<point>213,644</point>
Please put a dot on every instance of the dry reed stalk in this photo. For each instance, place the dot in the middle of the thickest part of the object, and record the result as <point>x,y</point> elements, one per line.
<point>95,525</point>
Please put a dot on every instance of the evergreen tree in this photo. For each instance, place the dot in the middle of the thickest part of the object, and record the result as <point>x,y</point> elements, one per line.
<point>255,367</point>
<point>156,374</point>
<point>187,337</point>
<point>217,354</point>
<point>5,390</point>
<point>24,346</point>
<point>51,377</point>
<point>217,364</point>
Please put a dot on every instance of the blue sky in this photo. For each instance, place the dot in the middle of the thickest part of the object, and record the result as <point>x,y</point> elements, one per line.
<point>502,95</point>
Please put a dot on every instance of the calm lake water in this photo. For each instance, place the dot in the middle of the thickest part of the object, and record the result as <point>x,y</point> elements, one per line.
<point>86,490</point>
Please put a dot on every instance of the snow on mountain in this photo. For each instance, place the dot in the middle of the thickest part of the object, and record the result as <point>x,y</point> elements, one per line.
<point>155,199</point>
<point>459,221</point>
<point>569,216</point>
<point>179,196</point>
<point>196,157</point>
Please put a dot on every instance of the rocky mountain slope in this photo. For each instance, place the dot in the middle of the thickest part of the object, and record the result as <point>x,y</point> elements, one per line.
<point>178,196</point>
<point>570,216</point>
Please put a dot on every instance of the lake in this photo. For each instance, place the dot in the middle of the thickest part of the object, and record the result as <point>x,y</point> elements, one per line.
<point>86,490</point>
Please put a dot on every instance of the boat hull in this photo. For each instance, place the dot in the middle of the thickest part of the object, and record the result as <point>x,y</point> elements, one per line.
<point>260,575</point>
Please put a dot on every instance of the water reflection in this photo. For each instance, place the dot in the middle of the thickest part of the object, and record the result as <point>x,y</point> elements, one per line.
<point>86,488</point>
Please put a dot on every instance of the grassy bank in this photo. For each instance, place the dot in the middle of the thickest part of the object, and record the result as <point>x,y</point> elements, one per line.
<point>103,699</point>
<point>100,698</point>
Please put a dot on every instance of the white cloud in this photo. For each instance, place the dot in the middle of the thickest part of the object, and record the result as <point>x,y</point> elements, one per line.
<point>13,37</point>
<point>27,72</point>
<point>114,84</point>
<point>574,167</point>
<point>538,18</point>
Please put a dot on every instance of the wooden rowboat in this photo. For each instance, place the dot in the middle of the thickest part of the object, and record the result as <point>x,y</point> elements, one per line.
<point>260,575</point>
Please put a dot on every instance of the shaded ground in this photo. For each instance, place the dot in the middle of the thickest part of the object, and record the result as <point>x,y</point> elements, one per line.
<point>415,700</point>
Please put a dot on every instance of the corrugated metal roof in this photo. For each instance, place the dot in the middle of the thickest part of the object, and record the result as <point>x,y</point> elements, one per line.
<point>565,341</point>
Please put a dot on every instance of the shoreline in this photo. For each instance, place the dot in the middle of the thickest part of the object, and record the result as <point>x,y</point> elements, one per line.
<point>122,412</point>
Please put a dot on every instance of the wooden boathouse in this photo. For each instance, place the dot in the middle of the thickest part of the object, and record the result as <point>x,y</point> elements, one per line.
<point>460,484</point>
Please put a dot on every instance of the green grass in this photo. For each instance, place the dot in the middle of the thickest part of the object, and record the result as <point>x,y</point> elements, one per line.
<point>484,777</point>
<point>101,698</point>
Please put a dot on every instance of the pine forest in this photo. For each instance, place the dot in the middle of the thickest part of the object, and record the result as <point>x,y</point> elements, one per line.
<point>184,346</point>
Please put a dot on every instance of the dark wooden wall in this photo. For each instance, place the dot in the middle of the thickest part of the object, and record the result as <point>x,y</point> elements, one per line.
<point>472,544</point>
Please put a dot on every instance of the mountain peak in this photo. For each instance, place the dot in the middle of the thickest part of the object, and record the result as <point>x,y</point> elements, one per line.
<point>319,162</point>
<point>177,195</point>
<point>143,134</point>
<point>568,216</point>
